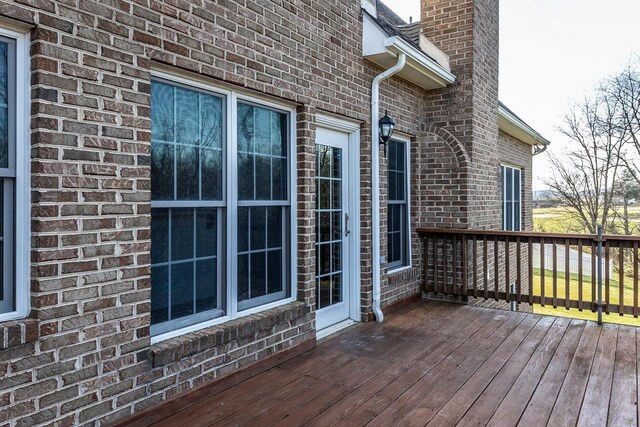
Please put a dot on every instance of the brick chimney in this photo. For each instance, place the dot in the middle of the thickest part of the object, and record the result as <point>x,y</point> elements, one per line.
<point>467,30</point>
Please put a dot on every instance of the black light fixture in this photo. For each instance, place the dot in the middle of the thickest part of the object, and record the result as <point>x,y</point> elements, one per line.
<point>386,126</point>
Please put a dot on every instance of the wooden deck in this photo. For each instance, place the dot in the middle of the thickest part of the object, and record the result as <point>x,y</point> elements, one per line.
<point>438,364</point>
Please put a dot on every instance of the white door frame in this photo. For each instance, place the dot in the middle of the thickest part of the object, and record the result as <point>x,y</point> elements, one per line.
<point>353,205</point>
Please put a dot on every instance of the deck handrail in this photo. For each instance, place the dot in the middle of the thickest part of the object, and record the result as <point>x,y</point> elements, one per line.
<point>499,265</point>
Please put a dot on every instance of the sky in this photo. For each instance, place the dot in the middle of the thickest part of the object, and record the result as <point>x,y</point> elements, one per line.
<point>553,52</point>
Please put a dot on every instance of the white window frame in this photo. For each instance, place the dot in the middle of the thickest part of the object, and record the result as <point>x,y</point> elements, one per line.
<point>230,246</point>
<point>407,156</point>
<point>22,202</point>
<point>503,174</point>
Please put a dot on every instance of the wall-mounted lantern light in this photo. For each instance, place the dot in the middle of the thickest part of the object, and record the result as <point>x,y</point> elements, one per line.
<point>386,127</point>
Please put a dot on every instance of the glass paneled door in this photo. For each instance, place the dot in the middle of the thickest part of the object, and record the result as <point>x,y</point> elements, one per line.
<point>333,228</point>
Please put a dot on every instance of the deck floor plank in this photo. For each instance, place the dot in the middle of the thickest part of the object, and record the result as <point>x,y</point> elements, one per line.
<point>622,405</point>
<point>566,409</point>
<point>541,403</point>
<point>479,346</point>
<point>435,364</point>
<point>469,379</point>
<point>492,383</point>
<point>595,405</point>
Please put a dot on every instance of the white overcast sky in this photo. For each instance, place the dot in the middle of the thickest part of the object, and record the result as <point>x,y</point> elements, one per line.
<point>555,51</point>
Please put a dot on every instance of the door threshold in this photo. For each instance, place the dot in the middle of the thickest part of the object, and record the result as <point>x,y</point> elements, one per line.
<point>330,330</point>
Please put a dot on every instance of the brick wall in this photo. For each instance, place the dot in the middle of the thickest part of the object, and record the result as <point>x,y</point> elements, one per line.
<point>84,355</point>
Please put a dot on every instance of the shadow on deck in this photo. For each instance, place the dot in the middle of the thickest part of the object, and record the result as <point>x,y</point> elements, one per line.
<point>436,364</point>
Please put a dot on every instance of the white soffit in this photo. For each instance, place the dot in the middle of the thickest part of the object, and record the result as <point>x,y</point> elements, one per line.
<point>511,124</point>
<point>383,50</point>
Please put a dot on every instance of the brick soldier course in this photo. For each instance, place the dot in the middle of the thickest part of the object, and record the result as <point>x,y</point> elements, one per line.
<point>84,355</point>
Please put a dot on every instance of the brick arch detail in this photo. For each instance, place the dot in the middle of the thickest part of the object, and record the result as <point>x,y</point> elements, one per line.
<point>458,149</point>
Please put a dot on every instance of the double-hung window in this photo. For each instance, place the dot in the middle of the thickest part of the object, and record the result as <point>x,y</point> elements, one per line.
<point>511,198</point>
<point>397,205</point>
<point>14,193</point>
<point>221,205</point>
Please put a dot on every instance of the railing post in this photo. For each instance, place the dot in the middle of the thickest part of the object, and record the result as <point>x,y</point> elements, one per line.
<point>600,260</point>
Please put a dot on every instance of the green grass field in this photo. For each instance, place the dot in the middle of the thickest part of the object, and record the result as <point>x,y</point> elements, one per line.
<point>561,220</point>
<point>586,296</point>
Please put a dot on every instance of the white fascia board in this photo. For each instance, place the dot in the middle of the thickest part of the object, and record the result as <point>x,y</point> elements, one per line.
<point>512,125</point>
<point>383,51</point>
<point>426,64</point>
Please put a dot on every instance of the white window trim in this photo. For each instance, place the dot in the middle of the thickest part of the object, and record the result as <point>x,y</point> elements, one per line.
<point>503,166</point>
<point>409,262</point>
<point>22,205</point>
<point>232,99</point>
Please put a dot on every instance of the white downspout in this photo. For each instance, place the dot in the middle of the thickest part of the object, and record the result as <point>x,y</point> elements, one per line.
<point>375,181</point>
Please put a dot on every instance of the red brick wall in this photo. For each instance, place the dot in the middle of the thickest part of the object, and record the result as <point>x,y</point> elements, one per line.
<point>84,355</point>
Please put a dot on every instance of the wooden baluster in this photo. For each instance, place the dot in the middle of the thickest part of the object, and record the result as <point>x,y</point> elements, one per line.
<point>496,276</point>
<point>555,274</point>
<point>580,275</point>
<point>508,269</point>
<point>567,275</point>
<point>542,272</point>
<point>445,244</point>
<point>621,278</point>
<point>465,261</point>
<point>530,269</point>
<point>435,263</point>
<point>594,278</point>
<point>519,272</point>
<point>606,276</point>
<point>485,257</point>
<point>635,279</point>
<point>454,270</point>
<point>475,266</point>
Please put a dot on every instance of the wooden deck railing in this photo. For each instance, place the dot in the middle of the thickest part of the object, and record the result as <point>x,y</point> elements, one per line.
<point>501,266</point>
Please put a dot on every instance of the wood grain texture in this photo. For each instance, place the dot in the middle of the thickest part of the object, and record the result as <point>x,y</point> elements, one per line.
<point>438,364</point>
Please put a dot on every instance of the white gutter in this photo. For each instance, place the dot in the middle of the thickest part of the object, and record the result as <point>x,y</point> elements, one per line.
<point>398,45</point>
<point>510,123</point>
<point>375,181</point>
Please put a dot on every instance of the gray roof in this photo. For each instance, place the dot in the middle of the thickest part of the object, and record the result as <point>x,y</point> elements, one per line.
<point>411,31</point>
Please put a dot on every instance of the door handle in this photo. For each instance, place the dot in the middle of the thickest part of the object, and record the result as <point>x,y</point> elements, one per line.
<point>346,225</point>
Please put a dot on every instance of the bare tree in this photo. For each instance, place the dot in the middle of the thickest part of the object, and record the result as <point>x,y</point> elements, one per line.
<point>624,90</point>
<point>583,180</point>
<point>626,189</point>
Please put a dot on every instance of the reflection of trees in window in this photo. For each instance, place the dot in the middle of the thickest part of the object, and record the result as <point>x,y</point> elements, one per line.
<point>187,130</point>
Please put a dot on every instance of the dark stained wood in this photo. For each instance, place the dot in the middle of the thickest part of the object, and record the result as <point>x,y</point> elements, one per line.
<point>635,279</point>
<point>555,274</point>
<point>496,269</point>
<point>567,275</point>
<point>607,285</point>
<point>594,295</point>
<point>507,276</point>
<point>474,262</point>
<point>567,407</point>
<point>542,275</point>
<point>539,409</point>
<point>622,405</point>
<point>471,388</point>
<point>465,263</point>
<point>445,264</point>
<point>454,273</point>
<point>179,403</point>
<point>432,363</point>
<point>528,234</point>
<point>519,272</point>
<point>483,408</point>
<point>595,405</point>
<point>580,275</point>
<point>621,279</point>
<point>485,260</point>
<point>530,246</point>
